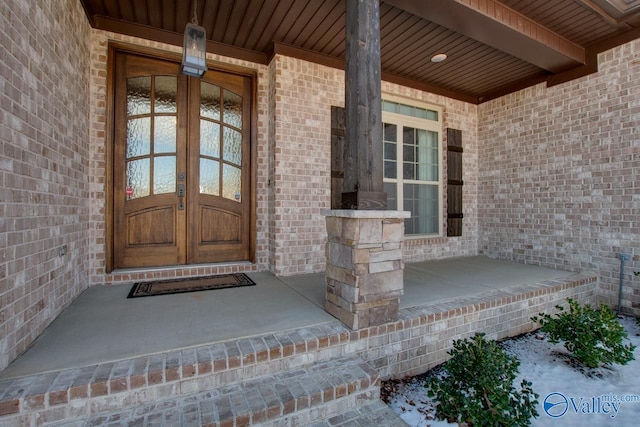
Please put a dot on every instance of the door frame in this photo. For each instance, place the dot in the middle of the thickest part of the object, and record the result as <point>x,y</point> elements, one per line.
<point>115,47</point>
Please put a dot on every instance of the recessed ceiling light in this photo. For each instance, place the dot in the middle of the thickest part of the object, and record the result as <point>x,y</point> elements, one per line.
<point>439,57</point>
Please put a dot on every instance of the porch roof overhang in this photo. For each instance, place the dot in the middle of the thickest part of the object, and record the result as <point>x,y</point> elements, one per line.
<point>494,47</point>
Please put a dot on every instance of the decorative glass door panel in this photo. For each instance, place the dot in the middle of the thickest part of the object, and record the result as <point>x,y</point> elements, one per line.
<point>220,142</point>
<point>180,183</point>
<point>222,193</point>
<point>151,136</point>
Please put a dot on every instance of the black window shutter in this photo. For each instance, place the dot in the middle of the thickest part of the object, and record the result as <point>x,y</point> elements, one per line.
<point>338,131</point>
<point>454,182</point>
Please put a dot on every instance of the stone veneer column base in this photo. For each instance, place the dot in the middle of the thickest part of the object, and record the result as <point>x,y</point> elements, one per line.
<point>364,272</point>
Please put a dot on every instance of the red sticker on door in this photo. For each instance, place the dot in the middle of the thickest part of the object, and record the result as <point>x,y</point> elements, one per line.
<point>129,192</point>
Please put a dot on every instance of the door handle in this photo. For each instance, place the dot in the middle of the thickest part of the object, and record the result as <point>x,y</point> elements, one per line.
<point>181,196</point>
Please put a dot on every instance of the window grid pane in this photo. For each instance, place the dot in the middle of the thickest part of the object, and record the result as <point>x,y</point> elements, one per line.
<point>209,138</point>
<point>422,201</point>
<point>164,134</point>
<point>232,143</point>
<point>138,95</point>
<point>164,174</point>
<point>412,169</point>
<point>138,137</point>
<point>209,101</point>
<point>209,177</point>
<point>166,89</point>
<point>389,136</point>
<point>409,110</point>
<point>231,182</point>
<point>138,178</point>
<point>232,109</point>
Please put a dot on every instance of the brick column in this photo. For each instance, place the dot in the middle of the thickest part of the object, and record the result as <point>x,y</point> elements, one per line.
<point>364,266</point>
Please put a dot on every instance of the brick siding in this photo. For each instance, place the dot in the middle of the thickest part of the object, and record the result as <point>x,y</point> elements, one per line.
<point>44,166</point>
<point>550,174</point>
<point>304,93</point>
<point>559,182</point>
<point>293,176</point>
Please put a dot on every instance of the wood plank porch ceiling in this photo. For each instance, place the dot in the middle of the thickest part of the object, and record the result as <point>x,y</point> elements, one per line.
<point>494,47</point>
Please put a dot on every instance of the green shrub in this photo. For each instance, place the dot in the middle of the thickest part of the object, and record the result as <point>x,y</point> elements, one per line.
<point>477,386</point>
<point>592,336</point>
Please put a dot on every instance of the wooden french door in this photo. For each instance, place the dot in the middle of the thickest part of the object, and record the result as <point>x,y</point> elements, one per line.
<point>181,175</point>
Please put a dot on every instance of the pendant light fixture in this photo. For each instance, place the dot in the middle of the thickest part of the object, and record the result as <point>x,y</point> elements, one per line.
<point>194,48</point>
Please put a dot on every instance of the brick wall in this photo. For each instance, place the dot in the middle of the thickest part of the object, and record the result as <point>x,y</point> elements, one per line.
<point>559,180</point>
<point>422,337</point>
<point>293,176</point>
<point>304,93</point>
<point>44,166</point>
<point>271,167</point>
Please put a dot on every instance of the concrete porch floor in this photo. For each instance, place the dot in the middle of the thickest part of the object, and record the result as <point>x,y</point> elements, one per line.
<point>101,325</point>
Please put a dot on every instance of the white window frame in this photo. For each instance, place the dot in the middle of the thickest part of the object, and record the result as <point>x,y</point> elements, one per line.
<point>414,122</point>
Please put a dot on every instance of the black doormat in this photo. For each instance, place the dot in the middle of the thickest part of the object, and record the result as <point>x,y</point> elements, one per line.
<point>189,284</point>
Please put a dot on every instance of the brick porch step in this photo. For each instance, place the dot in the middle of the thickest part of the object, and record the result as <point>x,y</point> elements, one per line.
<point>376,414</point>
<point>112,386</point>
<point>298,397</point>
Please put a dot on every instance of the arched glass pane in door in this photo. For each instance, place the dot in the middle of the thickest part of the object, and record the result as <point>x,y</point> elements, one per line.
<point>151,136</point>
<point>220,142</point>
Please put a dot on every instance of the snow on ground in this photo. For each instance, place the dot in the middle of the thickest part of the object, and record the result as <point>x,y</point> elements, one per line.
<point>574,397</point>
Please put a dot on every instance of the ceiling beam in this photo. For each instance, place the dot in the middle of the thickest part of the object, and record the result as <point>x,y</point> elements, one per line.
<point>492,23</point>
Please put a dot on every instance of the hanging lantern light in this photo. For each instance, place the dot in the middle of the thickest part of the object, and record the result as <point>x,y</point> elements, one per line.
<point>194,48</point>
